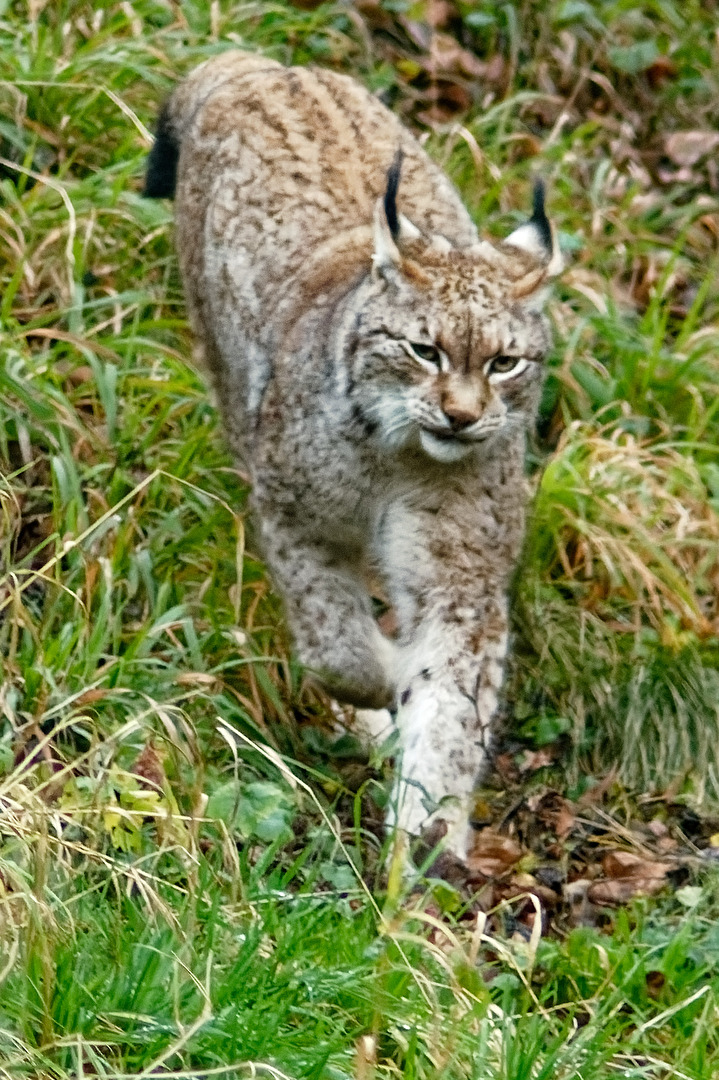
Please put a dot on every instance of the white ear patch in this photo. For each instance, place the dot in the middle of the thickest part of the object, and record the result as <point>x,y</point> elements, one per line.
<point>386,253</point>
<point>538,236</point>
<point>407,230</point>
<point>529,238</point>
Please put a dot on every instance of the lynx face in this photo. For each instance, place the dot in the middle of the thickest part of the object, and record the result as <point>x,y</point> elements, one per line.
<point>446,355</point>
<point>449,343</point>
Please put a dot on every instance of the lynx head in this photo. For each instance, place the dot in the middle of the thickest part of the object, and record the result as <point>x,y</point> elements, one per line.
<point>450,344</point>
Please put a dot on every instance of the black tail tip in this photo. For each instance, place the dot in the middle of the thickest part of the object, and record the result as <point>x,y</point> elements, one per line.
<point>161,175</point>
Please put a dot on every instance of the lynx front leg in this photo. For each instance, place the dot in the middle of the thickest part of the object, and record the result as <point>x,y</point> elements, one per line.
<point>448,693</point>
<point>330,616</point>
<point>450,563</point>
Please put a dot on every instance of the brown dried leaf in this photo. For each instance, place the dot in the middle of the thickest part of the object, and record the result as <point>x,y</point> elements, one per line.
<point>148,766</point>
<point>537,759</point>
<point>655,982</point>
<point>527,883</point>
<point>661,71</point>
<point>556,812</point>
<point>506,768</point>
<point>83,373</point>
<point>625,864</point>
<point>689,147</point>
<point>594,795</point>
<point>492,854</point>
<point>684,175</point>
<point>565,821</point>
<point>438,13</point>
<point>621,890</point>
<point>447,99</point>
<point>447,57</point>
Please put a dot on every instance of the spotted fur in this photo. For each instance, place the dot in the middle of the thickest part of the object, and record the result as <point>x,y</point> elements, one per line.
<point>377,366</point>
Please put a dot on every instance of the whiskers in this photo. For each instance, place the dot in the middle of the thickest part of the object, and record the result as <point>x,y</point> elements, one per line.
<point>395,425</point>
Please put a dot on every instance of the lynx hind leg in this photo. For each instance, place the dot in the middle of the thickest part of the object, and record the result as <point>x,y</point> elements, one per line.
<point>330,617</point>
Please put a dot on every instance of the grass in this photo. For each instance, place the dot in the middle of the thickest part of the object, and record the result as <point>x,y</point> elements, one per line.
<point>189,860</point>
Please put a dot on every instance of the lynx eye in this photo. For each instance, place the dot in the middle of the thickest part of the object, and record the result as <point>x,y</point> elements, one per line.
<point>428,353</point>
<point>502,364</point>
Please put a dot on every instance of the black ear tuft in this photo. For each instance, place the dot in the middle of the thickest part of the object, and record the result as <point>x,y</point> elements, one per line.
<point>390,195</point>
<point>161,175</point>
<point>539,218</point>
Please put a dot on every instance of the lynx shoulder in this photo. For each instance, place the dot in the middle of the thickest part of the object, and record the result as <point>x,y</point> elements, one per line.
<point>377,366</point>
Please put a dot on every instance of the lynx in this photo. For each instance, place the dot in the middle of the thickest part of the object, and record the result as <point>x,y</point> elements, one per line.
<point>378,366</point>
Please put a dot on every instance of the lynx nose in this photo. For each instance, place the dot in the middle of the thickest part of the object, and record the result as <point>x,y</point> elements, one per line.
<point>461,413</point>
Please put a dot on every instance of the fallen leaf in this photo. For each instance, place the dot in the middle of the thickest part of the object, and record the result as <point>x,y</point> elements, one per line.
<point>446,100</point>
<point>148,766</point>
<point>684,175</point>
<point>689,147</point>
<point>594,795</point>
<point>625,864</point>
<point>439,12</point>
<point>492,854</point>
<point>565,822</point>
<point>537,759</point>
<point>655,982</point>
<point>660,71</point>
<point>556,812</point>
<point>447,57</point>
<point>83,373</point>
<point>627,875</point>
<point>621,890</point>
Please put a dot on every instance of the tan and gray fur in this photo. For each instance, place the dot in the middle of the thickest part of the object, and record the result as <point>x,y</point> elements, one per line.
<point>378,367</point>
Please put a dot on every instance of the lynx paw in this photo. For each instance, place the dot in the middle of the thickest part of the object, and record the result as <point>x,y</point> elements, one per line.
<point>371,726</point>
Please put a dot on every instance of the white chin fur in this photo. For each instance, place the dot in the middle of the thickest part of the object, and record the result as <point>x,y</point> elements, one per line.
<point>444,450</point>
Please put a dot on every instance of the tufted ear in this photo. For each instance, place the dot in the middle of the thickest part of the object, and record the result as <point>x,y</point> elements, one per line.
<point>390,228</point>
<point>538,236</point>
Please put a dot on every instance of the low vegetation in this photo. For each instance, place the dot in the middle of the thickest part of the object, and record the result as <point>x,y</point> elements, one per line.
<point>190,856</point>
